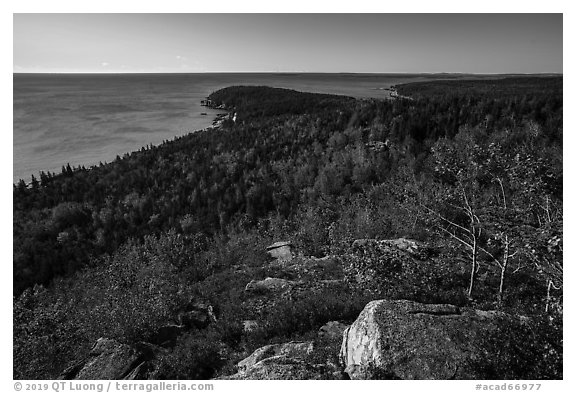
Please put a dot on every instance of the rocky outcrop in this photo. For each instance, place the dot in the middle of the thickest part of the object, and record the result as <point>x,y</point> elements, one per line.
<point>394,269</point>
<point>291,350</point>
<point>408,340</point>
<point>414,248</point>
<point>370,260</point>
<point>280,361</point>
<point>308,268</point>
<point>332,331</point>
<point>328,267</point>
<point>281,368</point>
<point>197,315</point>
<point>270,285</point>
<point>249,326</point>
<point>280,250</point>
<point>110,359</point>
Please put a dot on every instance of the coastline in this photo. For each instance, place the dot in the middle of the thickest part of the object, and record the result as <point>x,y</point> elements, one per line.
<point>217,124</point>
<point>87,120</point>
<point>89,131</point>
<point>220,118</point>
<point>68,130</point>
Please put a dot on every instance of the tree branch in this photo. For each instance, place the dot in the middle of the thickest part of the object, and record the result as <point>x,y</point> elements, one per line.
<point>447,220</point>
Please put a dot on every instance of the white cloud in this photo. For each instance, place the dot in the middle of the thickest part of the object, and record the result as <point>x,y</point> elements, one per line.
<point>104,64</point>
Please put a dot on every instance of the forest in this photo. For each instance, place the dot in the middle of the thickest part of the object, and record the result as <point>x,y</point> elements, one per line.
<point>472,168</point>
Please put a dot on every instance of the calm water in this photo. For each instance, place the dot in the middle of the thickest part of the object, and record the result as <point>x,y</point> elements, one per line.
<point>84,119</point>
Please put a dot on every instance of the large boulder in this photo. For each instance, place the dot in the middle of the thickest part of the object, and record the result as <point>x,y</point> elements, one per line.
<point>109,359</point>
<point>408,340</point>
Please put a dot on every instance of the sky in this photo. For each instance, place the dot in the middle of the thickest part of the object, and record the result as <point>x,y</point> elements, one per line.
<point>379,43</point>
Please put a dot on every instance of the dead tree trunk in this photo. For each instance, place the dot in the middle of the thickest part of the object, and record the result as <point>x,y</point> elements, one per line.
<point>474,265</point>
<point>468,236</point>
<point>503,268</point>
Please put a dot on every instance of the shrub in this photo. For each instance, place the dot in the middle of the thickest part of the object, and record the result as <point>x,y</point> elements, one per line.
<point>236,248</point>
<point>126,296</point>
<point>385,272</point>
<point>197,355</point>
<point>45,337</point>
<point>530,351</point>
<point>312,236</point>
<point>313,309</point>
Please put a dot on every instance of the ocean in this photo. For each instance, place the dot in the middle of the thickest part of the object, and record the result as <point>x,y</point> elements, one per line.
<point>85,119</point>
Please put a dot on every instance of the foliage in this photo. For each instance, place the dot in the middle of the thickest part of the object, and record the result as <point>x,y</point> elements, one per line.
<point>311,310</point>
<point>196,356</point>
<point>122,247</point>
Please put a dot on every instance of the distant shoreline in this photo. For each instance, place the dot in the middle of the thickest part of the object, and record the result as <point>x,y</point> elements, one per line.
<point>49,133</point>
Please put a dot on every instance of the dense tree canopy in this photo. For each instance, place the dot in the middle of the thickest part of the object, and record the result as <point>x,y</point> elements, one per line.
<point>472,166</point>
<point>286,148</point>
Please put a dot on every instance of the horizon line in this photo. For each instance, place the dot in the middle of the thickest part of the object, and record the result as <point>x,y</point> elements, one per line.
<point>283,72</point>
